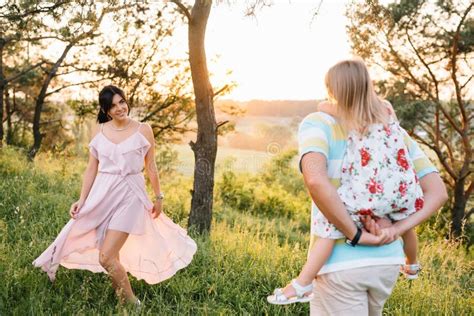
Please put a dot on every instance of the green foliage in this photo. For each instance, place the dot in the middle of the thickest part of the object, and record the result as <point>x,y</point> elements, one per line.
<point>178,197</point>
<point>277,191</point>
<point>236,267</point>
<point>235,193</point>
<point>104,50</point>
<point>404,8</point>
<point>158,85</point>
<point>282,171</point>
<point>82,108</point>
<point>166,160</point>
<point>466,42</point>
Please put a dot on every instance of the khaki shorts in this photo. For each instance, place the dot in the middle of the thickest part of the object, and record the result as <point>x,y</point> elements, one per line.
<point>360,291</point>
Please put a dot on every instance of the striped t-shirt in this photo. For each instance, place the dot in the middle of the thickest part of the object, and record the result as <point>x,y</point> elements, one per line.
<point>321,133</point>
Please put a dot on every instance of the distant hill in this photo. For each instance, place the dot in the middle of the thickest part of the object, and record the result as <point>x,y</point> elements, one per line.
<point>260,125</point>
<point>278,108</point>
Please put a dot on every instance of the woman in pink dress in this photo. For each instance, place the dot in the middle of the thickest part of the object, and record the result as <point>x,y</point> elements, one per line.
<point>114,227</point>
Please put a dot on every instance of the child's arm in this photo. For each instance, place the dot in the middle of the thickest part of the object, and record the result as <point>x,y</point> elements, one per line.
<point>391,111</point>
<point>318,255</point>
<point>327,107</point>
<point>435,195</point>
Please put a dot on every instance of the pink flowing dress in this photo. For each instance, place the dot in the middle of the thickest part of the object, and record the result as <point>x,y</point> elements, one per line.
<point>155,249</point>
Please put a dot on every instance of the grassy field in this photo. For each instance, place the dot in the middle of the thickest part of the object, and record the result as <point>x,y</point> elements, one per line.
<point>245,257</point>
<point>243,160</point>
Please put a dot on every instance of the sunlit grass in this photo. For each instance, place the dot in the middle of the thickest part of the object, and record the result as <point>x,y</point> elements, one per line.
<point>243,260</point>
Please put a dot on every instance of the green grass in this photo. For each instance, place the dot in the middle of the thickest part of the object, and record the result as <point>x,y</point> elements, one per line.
<point>243,260</point>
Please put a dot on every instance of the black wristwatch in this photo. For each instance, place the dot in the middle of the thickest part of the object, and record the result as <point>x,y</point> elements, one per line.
<point>356,238</point>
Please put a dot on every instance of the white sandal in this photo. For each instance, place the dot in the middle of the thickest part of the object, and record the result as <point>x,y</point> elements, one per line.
<point>416,267</point>
<point>278,298</point>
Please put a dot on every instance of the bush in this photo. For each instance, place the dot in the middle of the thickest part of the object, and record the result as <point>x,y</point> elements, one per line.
<point>247,194</point>
<point>235,193</point>
<point>283,170</point>
<point>277,191</point>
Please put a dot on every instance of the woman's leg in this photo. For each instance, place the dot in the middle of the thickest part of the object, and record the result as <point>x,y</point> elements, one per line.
<point>109,259</point>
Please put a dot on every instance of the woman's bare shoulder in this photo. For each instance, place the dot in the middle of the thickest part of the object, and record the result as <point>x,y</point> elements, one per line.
<point>147,131</point>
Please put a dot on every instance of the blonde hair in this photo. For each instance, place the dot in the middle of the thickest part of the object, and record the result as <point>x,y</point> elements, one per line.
<point>349,86</point>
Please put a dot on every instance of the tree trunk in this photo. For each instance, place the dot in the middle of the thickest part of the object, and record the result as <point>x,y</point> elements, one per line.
<point>205,147</point>
<point>2,89</point>
<point>459,208</point>
<point>37,136</point>
<point>8,110</point>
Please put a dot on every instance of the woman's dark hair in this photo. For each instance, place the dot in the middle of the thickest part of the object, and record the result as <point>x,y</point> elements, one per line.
<point>106,95</point>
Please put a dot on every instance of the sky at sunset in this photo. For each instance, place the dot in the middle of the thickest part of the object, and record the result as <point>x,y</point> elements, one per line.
<point>281,53</point>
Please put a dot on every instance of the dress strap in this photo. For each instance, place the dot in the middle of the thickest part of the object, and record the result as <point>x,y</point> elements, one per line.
<point>101,127</point>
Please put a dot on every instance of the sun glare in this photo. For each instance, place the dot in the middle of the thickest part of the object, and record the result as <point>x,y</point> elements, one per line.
<point>281,53</point>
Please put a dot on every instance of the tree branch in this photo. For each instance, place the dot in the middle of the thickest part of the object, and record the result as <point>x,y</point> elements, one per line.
<point>464,117</point>
<point>255,5</point>
<point>221,124</point>
<point>170,101</point>
<point>422,87</point>
<point>439,154</point>
<point>438,60</point>
<point>316,11</point>
<point>438,137</point>
<point>32,12</point>
<point>75,84</point>
<point>453,68</point>
<point>183,9</point>
<point>467,215</point>
<point>39,38</point>
<point>24,71</point>
<point>142,71</point>
<point>465,84</point>
<point>221,90</point>
<point>469,190</point>
<point>423,62</point>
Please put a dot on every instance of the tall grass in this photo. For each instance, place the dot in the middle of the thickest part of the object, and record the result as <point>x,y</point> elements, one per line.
<point>245,257</point>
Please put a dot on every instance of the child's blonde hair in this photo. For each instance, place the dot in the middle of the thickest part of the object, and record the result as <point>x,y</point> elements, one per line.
<point>349,86</point>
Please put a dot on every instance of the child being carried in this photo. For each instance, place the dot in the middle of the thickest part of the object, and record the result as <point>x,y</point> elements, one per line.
<point>379,180</point>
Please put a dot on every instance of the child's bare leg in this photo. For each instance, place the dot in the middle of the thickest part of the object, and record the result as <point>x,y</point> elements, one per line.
<point>410,246</point>
<point>318,255</point>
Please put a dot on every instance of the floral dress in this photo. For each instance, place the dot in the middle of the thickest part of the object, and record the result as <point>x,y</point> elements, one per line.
<point>378,178</point>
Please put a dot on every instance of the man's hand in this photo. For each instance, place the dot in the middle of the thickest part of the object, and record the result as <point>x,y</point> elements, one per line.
<point>382,228</point>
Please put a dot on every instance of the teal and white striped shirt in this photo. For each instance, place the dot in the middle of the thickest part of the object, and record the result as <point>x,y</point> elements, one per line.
<point>321,133</point>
